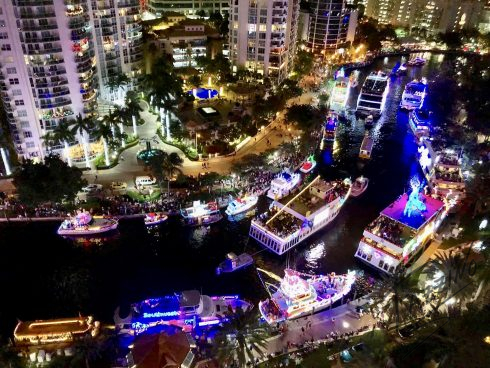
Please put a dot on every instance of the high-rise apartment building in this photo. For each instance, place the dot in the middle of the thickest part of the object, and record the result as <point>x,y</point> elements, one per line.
<point>263,36</point>
<point>331,23</point>
<point>394,12</point>
<point>54,60</point>
<point>484,21</point>
<point>188,7</point>
<point>118,36</point>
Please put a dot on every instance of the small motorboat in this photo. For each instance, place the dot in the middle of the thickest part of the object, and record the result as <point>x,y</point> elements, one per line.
<point>154,218</point>
<point>240,205</point>
<point>366,147</point>
<point>308,165</point>
<point>369,121</point>
<point>83,224</point>
<point>359,186</point>
<point>418,61</point>
<point>234,262</point>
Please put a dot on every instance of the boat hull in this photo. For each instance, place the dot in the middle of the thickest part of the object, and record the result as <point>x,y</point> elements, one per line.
<point>156,222</point>
<point>88,232</point>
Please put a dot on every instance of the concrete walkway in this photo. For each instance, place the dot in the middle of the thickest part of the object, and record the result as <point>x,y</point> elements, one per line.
<point>319,325</point>
<point>128,167</point>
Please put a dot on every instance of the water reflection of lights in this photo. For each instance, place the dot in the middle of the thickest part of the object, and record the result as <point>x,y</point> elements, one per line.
<point>314,254</point>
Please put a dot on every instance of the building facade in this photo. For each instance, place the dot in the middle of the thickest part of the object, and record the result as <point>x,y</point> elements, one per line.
<point>263,36</point>
<point>119,45</point>
<point>188,7</point>
<point>48,69</point>
<point>55,61</point>
<point>331,23</point>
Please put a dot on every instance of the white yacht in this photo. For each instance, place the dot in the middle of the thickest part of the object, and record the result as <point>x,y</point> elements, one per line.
<point>373,94</point>
<point>419,121</point>
<point>240,205</point>
<point>359,186</point>
<point>154,218</point>
<point>296,217</point>
<point>201,214</point>
<point>414,95</point>
<point>399,235</point>
<point>84,224</point>
<point>340,91</point>
<point>300,294</point>
<point>282,185</point>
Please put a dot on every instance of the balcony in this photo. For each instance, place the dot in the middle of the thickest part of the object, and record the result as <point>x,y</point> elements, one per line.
<point>36,27</point>
<point>74,11</point>
<point>33,2</point>
<point>53,50</point>
<point>136,58</point>
<point>134,36</point>
<point>46,61</point>
<point>58,103</point>
<point>54,82</point>
<point>89,96</point>
<point>108,31</point>
<point>54,94</point>
<point>57,114</point>
<point>77,23</point>
<point>40,39</point>
<point>85,67</point>
<point>26,15</point>
<point>77,35</point>
<point>128,4</point>
<point>111,56</point>
<point>83,58</point>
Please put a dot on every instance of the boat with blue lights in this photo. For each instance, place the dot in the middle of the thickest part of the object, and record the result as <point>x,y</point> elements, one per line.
<point>188,310</point>
<point>201,214</point>
<point>419,121</point>
<point>399,69</point>
<point>330,126</point>
<point>299,294</point>
<point>241,205</point>
<point>283,184</point>
<point>414,95</point>
<point>373,94</point>
<point>84,224</point>
<point>154,218</point>
<point>233,262</point>
<point>294,218</point>
<point>308,165</point>
<point>402,231</point>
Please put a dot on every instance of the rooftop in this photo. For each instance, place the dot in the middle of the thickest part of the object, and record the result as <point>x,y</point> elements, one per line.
<point>77,325</point>
<point>395,211</point>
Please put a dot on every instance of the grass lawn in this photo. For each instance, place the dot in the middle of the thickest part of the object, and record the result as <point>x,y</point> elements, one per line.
<point>144,197</point>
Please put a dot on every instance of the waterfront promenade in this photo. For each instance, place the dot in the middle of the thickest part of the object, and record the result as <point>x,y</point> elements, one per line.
<point>319,326</point>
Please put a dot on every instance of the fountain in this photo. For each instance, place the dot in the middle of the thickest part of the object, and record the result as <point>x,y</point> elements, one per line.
<point>147,154</point>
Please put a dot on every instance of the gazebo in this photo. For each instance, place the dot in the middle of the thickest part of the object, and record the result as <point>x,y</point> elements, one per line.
<point>161,350</point>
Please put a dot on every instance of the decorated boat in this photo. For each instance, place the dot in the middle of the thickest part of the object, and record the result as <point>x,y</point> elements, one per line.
<point>154,218</point>
<point>201,214</point>
<point>283,184</point>
<point>187,310</point>
<point>300,294</point>
<point>372,99</point>
<point>241,205</point>
<point>294,218</point>
<point>234,262</point>
<point>330,126</point>
<point>308,165</point>
<point>84,224</point>
<point>416,61</point>
<point>414,95</point>
<point>359,186</point>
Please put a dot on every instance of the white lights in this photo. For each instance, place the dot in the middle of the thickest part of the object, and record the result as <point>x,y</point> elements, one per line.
<point>483,224</point>
<point>345,324</point>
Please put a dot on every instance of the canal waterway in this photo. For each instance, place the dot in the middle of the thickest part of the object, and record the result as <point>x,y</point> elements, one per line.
<point>43,275</point>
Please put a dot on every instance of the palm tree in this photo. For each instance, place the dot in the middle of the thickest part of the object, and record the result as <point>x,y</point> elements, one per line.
<point>82,126</point>
<point>9,358</point>
<point>448,276</point>
<point>116,81</point>
<point>483,274</point>
<point>397,296</point>
<point>60,135</point>
<point>164,166</point>
<point>104,132</point>
<point>241,338</point>
<point>113,120</point>
<point>133,108</point>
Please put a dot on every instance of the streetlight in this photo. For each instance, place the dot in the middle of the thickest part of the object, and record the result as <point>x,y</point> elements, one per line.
<point>197,136</point>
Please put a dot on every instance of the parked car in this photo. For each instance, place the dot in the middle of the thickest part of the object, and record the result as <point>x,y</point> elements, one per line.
<point>144,180</point>
<point>92,188</point>
<point>118,185</point>
<point>409,330</point>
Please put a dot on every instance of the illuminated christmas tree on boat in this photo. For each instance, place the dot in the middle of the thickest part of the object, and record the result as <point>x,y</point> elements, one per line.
<point>402,231</point>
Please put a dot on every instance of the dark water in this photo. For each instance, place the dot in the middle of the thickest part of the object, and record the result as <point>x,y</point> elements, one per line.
<point>43,275</point>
